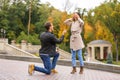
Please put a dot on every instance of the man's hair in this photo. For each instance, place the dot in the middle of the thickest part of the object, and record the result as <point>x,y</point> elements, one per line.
<point>47,25</point>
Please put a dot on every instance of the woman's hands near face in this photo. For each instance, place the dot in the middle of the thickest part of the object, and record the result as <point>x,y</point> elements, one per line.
<point>75,16</point>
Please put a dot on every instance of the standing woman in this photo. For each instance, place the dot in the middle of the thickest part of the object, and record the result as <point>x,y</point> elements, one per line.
<point>76,42</point>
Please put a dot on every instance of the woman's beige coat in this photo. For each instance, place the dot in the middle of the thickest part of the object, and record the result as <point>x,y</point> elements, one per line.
<point>76,41</point>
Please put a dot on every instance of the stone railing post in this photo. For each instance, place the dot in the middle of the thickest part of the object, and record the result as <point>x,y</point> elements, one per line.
<point>29,46</point>
<point>23,44</point>
<point>13,42</point>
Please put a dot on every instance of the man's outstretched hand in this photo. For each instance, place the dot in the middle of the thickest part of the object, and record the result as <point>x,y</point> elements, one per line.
<point>63,33</point>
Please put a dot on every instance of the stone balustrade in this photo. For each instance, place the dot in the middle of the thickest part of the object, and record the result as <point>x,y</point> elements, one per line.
<point>25,49</point>
<point>35,49</point>
<point>103,66</point>
<point>16,51</point>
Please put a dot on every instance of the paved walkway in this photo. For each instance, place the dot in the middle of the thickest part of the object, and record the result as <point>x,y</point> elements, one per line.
<point>17,70</point>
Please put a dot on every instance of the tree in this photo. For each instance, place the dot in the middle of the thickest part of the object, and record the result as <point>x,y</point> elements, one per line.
<point>109,58</point>
<point>110,16</point>
<point>32,5</point>
<point>44,12</point>
<point>4,22</point>
<point>91,21</point>
<point>16,13</point>
<point>88,33</point>
<point>55,18</point>
<point>63,26</point>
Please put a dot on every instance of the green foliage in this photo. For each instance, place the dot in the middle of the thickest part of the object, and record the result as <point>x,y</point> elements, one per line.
<point>34,39</point>
<point>22,36</point>
<point>64,46</point>
<point>11,35</point>
<point>44,11</point>
<point>30,39</point>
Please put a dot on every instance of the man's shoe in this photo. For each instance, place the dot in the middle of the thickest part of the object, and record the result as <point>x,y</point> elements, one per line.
<point>54,71</point>
<point>30,69</point>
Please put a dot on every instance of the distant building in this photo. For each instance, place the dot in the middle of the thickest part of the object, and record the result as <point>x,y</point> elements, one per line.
<point>99,49</point>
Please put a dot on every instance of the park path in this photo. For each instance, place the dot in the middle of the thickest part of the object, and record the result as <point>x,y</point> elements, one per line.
<point>17,70</point>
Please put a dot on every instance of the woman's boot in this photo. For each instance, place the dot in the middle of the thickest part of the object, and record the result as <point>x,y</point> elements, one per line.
<point>74,70</point>
<point>81,70</point>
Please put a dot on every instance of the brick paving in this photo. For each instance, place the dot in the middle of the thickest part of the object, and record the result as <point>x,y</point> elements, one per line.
<point>17,70</point>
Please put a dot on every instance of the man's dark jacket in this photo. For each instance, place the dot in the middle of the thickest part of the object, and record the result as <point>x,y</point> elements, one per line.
<point>48,43</point>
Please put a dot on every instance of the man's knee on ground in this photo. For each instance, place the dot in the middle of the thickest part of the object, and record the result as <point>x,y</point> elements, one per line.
<point>48,73</point>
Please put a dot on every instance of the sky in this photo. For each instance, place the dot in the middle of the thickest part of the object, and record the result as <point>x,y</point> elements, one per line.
<point>88,4</point>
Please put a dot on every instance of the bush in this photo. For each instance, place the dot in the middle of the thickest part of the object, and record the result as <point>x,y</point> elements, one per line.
<point>30,39</point>
<point>109,58</point>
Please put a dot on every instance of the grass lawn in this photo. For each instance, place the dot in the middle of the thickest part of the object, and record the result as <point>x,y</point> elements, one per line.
<point>114,62</point>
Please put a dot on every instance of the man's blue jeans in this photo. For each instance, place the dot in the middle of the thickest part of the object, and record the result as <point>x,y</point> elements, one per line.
<point>79,52</point>
<point>47,63</point>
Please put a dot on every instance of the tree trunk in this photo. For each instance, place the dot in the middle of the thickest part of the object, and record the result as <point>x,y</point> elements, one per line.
<point>116,46</point>
<point>29,18</point>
